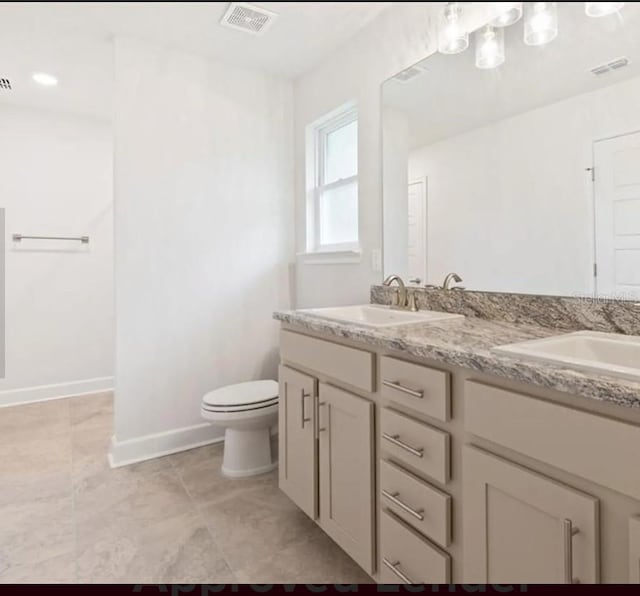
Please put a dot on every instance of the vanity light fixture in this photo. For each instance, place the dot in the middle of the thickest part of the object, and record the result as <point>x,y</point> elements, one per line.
<point>453,38</point>
<point>509,13</point>
<point>489,47</point>
<point>540,23</point>
<point>602,9</point>
<point>45,79</point>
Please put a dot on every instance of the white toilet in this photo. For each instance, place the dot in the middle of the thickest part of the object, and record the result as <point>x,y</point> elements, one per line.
<point>248,412</point>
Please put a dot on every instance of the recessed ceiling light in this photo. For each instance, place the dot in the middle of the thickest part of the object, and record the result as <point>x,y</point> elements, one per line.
<point>42,78</point>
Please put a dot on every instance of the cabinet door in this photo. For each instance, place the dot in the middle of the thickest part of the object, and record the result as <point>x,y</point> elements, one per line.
<point>346,472</point>
<point>634,550</point>
<point>298,472</point>
<point>521,527</point>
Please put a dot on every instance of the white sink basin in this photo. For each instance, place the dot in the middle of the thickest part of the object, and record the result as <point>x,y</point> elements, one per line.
<point>375,315</point>
<point>607,353</point>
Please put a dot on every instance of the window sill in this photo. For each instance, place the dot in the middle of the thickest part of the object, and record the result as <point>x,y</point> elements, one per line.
<point>334,257</point>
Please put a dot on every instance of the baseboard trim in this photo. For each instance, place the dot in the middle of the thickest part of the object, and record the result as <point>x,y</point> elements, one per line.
<point>16,397</point>
<point>131,451</point>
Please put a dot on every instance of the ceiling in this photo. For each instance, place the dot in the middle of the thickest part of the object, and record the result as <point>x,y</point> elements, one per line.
<point>84,69</point>
<point>73,41</point>
<point>452,96</point>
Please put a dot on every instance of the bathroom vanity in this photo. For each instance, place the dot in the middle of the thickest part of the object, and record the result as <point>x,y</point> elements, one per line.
<point>430,457</point>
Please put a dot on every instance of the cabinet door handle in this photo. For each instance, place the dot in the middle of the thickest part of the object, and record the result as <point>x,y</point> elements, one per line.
<point>568,532</point>
<point>395,439</point>
<point>394,567</point>
<point>393,497</point>
<point>303,420</point>
<point>321,429</point>
<point>395,385</point>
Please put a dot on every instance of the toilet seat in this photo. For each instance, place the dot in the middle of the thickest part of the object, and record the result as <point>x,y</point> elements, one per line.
<point>242,397</point>
<point>241,408</point>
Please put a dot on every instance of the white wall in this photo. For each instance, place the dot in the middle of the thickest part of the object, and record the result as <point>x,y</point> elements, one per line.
<point>204,238</point>
<point>511,205</point>
<point>395,181</point>
<point>400,36</point>
<point>56,179</point>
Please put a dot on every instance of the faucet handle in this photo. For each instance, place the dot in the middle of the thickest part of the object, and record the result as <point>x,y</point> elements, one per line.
<point>395,300</point>
<point>412,303</point>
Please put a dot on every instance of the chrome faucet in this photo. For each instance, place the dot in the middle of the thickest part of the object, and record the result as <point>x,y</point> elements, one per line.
<point>403,299</point>
<point>452,277</point>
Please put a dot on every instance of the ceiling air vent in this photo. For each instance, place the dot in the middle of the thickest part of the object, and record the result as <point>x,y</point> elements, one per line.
<point>610,66</point>
<point>408,74</point>
<point>248,18</point>
<point>5,84</point>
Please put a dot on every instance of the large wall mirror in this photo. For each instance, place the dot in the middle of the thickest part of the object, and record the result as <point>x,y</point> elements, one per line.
<point>524,177</point>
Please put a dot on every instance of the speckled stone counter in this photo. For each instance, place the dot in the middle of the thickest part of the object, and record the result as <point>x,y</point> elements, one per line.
<point>467,343</point>
<point>560,313</point>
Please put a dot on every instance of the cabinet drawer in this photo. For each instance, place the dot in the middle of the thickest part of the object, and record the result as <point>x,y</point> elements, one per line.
<point>409,558</point>
<point>349,365</point>
<point>419,446</point>
<point>424,507</point>
<point>417,387</point>
<point>593,447</point>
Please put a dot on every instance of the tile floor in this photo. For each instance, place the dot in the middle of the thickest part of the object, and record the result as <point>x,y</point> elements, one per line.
<point>65,516</point>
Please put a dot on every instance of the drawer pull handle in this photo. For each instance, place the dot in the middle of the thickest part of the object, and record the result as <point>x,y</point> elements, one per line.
<point>395,439</point>
<point>393,497</point>
<point>568,533</point>
<point>394,567</point>
<point>395,385</point>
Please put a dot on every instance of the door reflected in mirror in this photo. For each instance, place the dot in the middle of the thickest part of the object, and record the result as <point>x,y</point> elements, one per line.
<point>525,177</point>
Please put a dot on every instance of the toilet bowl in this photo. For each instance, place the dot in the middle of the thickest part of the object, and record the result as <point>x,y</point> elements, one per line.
<point>247,412</point>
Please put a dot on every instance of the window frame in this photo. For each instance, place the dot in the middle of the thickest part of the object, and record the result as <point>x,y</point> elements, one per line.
<point>321,130</point>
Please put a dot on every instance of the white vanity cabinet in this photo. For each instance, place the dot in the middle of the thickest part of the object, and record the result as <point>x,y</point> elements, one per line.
<point>326,442</point>
<point>346,471</point>
<point>429,473</point>
<point>415,514</point>
<point>521,527</point>
<point>298,449</point>
<point>563,517</point>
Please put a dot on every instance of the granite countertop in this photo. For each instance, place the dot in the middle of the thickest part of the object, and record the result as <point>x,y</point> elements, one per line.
<point>467,343</point>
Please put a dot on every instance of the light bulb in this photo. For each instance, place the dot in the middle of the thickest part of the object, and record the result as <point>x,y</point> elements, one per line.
<point>602,9</point>
<point>508,14</point>
<point>489,47</point>
<point>540,23</point>
<point>42,78</point>
<point>453,38</point>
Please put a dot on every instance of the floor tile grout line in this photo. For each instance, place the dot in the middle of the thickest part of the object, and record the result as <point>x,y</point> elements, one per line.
<point>234,570</point>
<point>202,517</point>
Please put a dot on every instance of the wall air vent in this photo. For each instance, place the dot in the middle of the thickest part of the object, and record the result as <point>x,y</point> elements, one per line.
<point>5,84</point>
<point>610,66</point>
<point>248,18</point>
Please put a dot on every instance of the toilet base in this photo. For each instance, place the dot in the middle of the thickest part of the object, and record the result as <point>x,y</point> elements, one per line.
<point>247,452</point>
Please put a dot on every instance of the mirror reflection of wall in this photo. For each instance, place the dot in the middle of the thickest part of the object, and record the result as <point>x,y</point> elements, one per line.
<point>490,172</point>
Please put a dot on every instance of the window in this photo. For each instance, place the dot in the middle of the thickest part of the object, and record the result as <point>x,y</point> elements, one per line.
<point>332,182</point>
